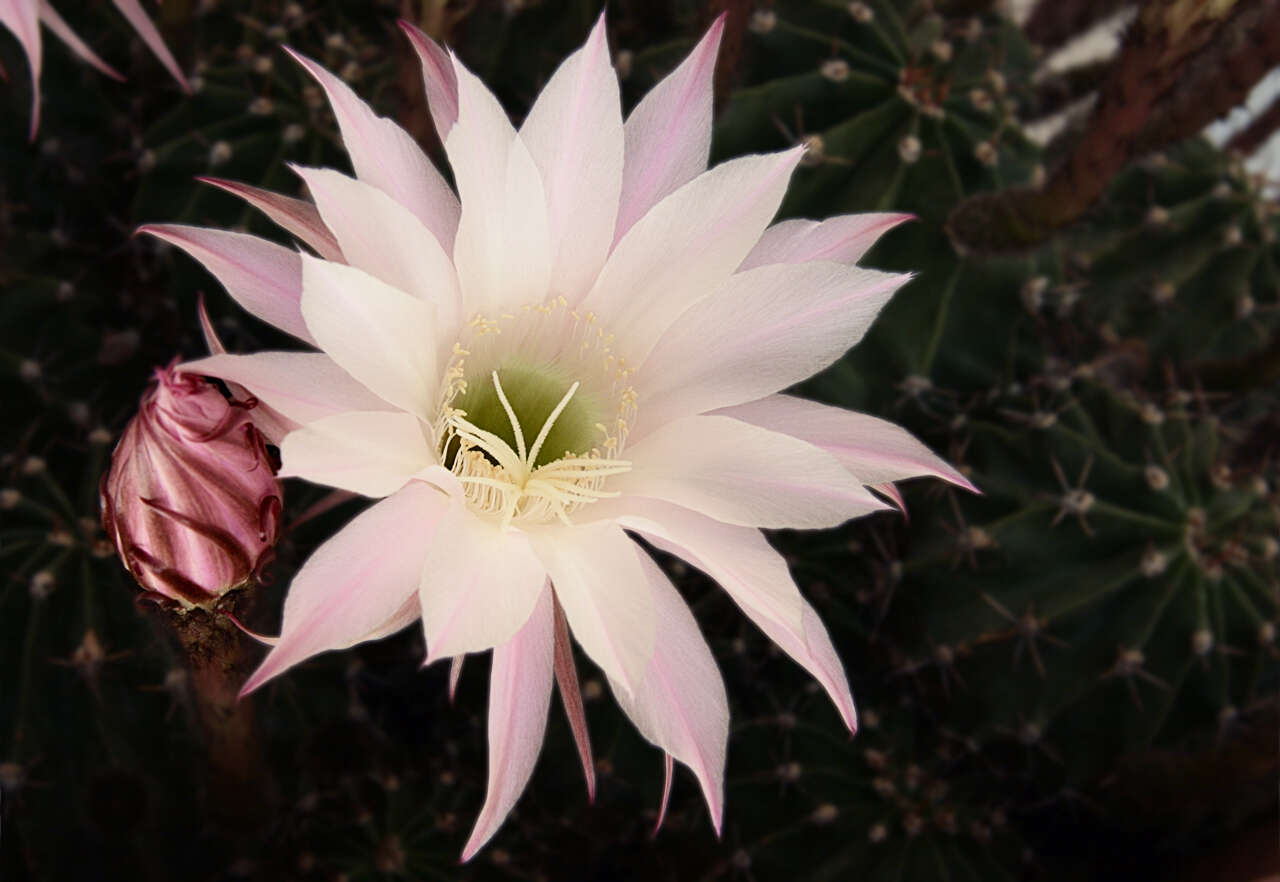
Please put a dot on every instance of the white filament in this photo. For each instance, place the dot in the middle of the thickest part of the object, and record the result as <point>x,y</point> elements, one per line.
<point>515,487</point>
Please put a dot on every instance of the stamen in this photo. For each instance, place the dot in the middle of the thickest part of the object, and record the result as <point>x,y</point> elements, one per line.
<point>503,482</point>
<point>515,423</point>
<point>548,423</point>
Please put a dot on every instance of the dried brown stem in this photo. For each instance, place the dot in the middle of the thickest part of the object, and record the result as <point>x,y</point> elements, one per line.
<point>1053,22</point>
<point>1138,103</point>
<point>1218,77</point>
<point>1060,90</point>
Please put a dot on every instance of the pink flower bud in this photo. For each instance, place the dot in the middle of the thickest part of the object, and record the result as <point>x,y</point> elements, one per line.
<point>191,500</point>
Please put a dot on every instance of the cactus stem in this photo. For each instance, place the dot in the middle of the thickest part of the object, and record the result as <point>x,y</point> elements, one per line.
<point>238,785</point>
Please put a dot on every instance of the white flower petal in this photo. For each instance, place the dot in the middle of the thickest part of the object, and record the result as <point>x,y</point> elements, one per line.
<point>574,134</point>
<point>668,135</point>
<point>479,585</point>
<point>680,705</point>
<point>405,616</point>
<point>381,237</point>
<point>55,22</point>
<point>502,252</point>
<point>261,276</point>
<point>519,698</point>
<point>767,329</point>
<point>137,17</point>
<point>742,474</point>
<point>355,584</point>
<point>373,454</point>
<point>302,386</point>
<point>385,156</point>
<point>843,239</point>
<point>875,451</point>
<point>380,335</point>
<point>686,247</point>
<point>755,576</point>
<point>22,20</point>
<point>598,579</point>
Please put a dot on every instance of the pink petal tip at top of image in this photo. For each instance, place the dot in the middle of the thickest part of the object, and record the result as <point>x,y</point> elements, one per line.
<point>190,500</point>
<point>23,18</point>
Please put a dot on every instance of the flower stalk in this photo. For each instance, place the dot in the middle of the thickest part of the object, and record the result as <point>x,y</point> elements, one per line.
<point>238,787</point>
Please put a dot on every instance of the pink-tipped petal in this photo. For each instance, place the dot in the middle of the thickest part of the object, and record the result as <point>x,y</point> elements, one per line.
<point>599,579</point>
<point>137,17</point>
<point>752,573</point>
<point>890,490</point>
<point>21,17</point>
<point>381,237</point>
<point>301,386</point>
<point>742,474</point>
<point>55,22</point>
<point>438,79</point>
<point>262,277</point>
<point>668,773</point>
<point>685,248</point>
<point>681,705</point>
<point>571,697</point>
<point>574,134</point>
<point>373,454</point>
<point>380,335</point>
<point>385,156</point>
<point>357,581</point>
<point>479,585</point>
<point>264,639</point>
<point>843,239</point>
<point>211,340</point>
<point>502,252</point>
<point>875,451</point>
<point>455,666</point>
<point>519,698</point>
<point>767,329</point>
<point>297,216</point>
<point>668,135</point>
<point>269,421</point>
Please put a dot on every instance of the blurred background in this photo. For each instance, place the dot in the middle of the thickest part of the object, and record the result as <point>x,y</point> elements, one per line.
<point>1070,677</point>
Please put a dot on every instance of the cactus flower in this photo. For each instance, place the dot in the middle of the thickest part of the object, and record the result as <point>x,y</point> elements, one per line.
<point>190,500</point>
<point>586,342</point>
<point>23,18</point>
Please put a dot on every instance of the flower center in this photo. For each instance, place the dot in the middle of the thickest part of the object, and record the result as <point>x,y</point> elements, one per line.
<point>518,399</point>
<point>533,413</point>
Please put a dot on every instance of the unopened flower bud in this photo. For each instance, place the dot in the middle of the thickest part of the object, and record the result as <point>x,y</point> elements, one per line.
<point>191,501</point>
